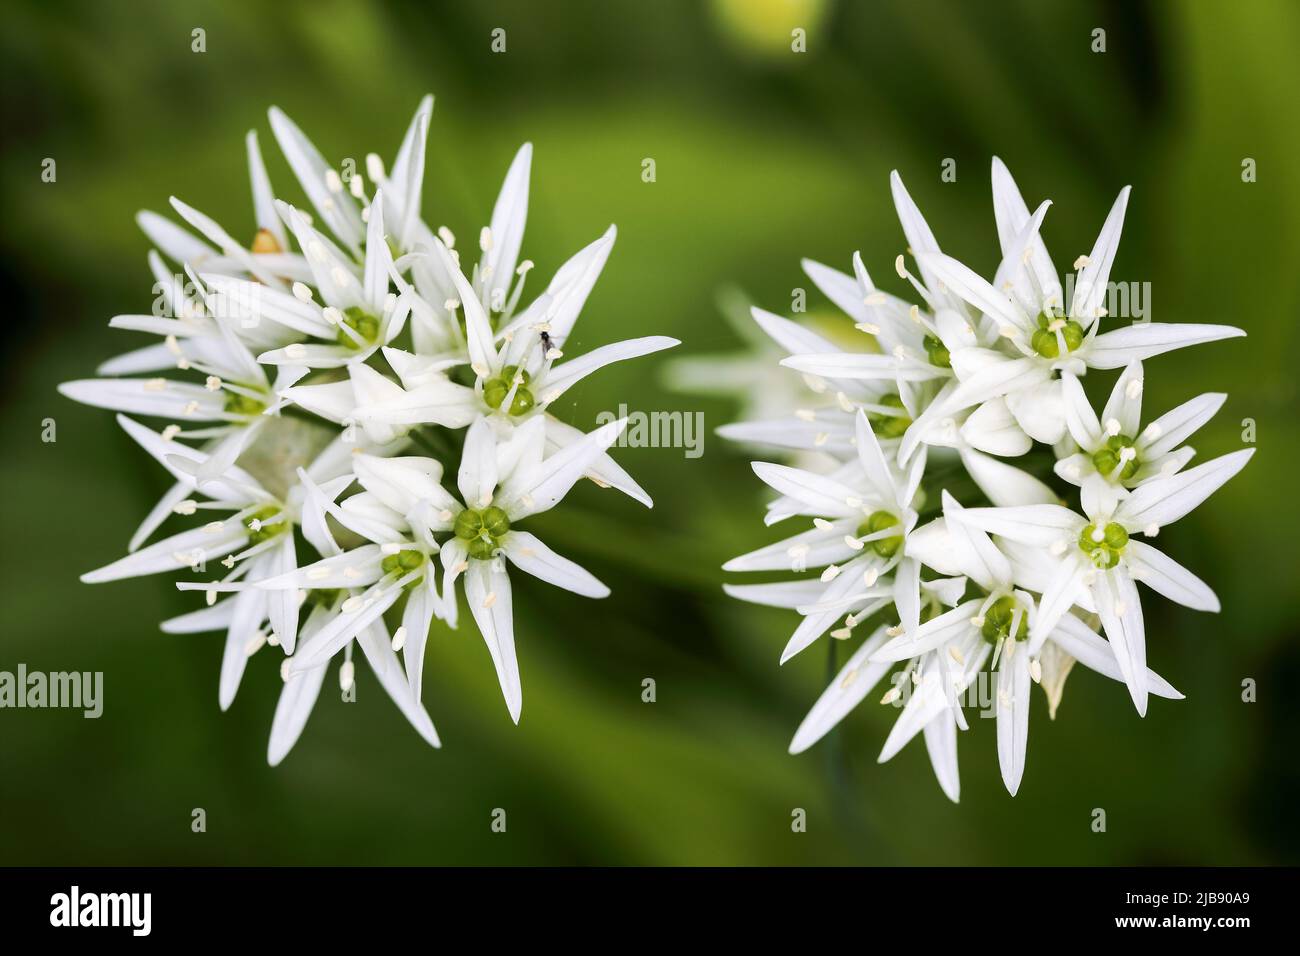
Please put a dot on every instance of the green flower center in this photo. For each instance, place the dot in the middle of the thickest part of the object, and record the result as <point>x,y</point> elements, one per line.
<point>1104,553</point>
<point>937,352</point>
<point>401,563</point>
<point>998,618</point>
<point>496,389</point>
<point>238,404</point>
<point>482,530</point>
<point>879,521</point>
<point>890,426</point>
<point>258,528</point>
<point>1107,458</point>
<point>1044,340</point>
<point>365,325</point>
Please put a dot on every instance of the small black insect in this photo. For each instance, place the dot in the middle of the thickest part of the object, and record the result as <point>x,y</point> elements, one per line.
<point>546,342</point>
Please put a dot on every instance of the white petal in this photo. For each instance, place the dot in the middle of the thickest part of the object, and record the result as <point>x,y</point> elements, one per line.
<point>496,624</point>
<point>1013,717</point>
<point>853,682</point>
<point>1040,525</point>
<point>1118,347</point>
<point>377,645</point>
<point>560,378</point>
<point>508,218</point>
<point>1090,285</point>
<point>1174,427</point>
<point>338,210</point>
<point>528,553</point>
<point>1162,501</point>
<point>1125,402</point>
<point>1005,484</point>
<point>1166,576</point>
<point>821,496</point>
<point>784,594</point>
<point>1120,610</point>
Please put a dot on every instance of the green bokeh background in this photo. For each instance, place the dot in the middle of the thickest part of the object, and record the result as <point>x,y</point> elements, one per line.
<point>763,156</point>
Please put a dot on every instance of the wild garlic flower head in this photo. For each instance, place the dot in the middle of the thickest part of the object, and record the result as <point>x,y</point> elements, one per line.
<point>975,582</point>
<point>327,378</point>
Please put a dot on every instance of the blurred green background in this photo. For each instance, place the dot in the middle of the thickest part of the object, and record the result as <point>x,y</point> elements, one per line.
<point>763,156</point>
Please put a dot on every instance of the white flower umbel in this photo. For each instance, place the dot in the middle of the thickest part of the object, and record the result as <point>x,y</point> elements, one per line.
<point>1094,561</point>
<point>295,373</point>
<point>985,375</point>
<point>862,515</point>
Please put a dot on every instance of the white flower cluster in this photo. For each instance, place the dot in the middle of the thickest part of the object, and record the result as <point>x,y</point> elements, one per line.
<point>967,381</point>
<point>330,378</point>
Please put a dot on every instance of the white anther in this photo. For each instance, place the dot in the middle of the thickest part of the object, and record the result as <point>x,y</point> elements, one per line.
<point>848,679</point>
<point>485,238</point>
<point>853,542</point>
<point>1151,530</point>
<point>842,634</point>
<point>977,620</point>
<point>815,382</point>
<point>895,692</point>
<point>1134,388</point>
<point>821,524</point>
<point>170,432</point>
<point>295,350</point>
<point>875,298</point>
<point>868,327</point>
<point>302,292</point>
<point>285,666</point>
<point>317,574</point>
<point>340,276</point>
<point>820,439</point>
<point>900,267</point>
<point>956,655</point>
<point>186,507</point>
<point>831,573</point>
<point>490,599</point>
<point>155,385</point>
<point>805,414</point>
<point>390,547</point>
<point>357,186</point>
<point>254,644</point>
<point>190,408</point>
<point>332,181</point>
<point>352,605</point>
<point>399,639</point>
<point>1080,262</point>
<point>894,630</point>
<point>1112,427</point>
<point>213,383</point>
<point>870,576</point>
<point>374,167</point>
<point>347,675</point>
<point>844,402</point>
<point>213,527</point>
<point>1036,671</point>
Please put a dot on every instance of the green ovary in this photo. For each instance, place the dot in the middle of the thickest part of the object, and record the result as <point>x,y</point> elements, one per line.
<point>258,529</point>
<point>937,352</point>
<point>890,426</point>
<point>879,521</point>
<point>998,618</point>
<point>238,404</point>
<point>1107,458</point>
<point>401,564</point>
<point>496,389</point>
<point>482,530</point>
<point>1106,552</point>
<point>365,325</point>
<point>1044,340</point>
